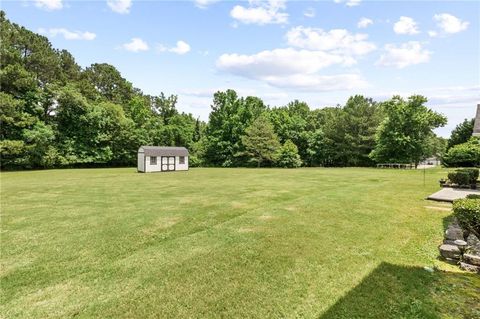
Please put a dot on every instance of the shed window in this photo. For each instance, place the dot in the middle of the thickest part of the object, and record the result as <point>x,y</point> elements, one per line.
<point>153,160</point>
<point>181,160</point>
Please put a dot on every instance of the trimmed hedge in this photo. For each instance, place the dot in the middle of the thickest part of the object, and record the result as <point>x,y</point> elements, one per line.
<point>473,196</point>
<point>459,178</point>
<point>463,177</point>
<point>467,212</point>
<point>472,171</point>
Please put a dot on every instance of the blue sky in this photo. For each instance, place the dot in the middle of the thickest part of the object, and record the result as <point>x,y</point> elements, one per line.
<point>317,51</point>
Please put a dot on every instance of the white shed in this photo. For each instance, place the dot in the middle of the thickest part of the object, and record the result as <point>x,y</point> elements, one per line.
<point>162,159</point>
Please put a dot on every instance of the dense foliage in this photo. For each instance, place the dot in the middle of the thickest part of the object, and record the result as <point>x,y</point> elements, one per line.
<point>467,212</point>
<point>55,113</point>
<point>463,155</point>
<point>461,133</point>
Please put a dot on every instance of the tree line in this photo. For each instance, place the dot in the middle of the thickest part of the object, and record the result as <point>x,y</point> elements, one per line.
<point>56,114</point>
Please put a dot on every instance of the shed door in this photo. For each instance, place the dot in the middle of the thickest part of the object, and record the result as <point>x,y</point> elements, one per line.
<point>168,163</point>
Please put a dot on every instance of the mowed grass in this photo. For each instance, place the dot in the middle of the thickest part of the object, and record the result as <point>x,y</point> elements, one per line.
<point>227,243</point>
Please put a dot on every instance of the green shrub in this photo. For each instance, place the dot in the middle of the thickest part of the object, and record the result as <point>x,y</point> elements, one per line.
<point>194,161</point>
<point>464,176</point>
<point>287,156</point>
<point>460,178</point>
<point>463,155</point>
<point>473,196</point>
<point>467,212</point>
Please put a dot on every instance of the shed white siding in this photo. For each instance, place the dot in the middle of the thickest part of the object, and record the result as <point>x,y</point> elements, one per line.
<point>181,167</point>
<point>141,162</point>
<point>152,168</point>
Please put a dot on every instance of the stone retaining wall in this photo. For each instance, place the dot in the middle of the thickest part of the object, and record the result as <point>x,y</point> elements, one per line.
<point>461,248</point>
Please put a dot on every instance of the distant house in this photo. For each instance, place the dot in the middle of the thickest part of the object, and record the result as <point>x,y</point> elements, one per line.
<point>431,161</point>
<point>162,159</point>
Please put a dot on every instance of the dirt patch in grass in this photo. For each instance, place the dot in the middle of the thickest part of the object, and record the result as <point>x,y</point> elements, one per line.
<point>52,301</point>
<point>161,224</point>
<point>238,205</point>
<point>446,209</point>
<point>248,229</point>
<point>266,217</point>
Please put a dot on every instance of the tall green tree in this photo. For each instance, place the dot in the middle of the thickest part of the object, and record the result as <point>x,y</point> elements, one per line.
<point>348,133</point>
<point>165,106</point>
<point>360,122</point>
<point>317,149</point>
<point>461,133</point>
<point>228,120</point>
<point>260,141</point>
<point>105,80</point>
<point>403,135</point>
<point>436,147</point>
<point>291,122</point>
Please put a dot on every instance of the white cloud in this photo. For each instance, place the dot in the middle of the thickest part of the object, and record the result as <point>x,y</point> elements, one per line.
<point>136,45</point>
<point>311,50</point>
<point>209,92</point>
<point>432,33</point>
<point>405,25</point>
<point>291,68</point>
<point>349,3</point>
<point>406,54</point>
<point>364,22</point>
<point>353,3</point>
<point>120,6</point>
<point>309,13</point>
<point>315,82</point>
<point>453,94</point>
<point>449,23</point>
<point>181,47</point>
<point>203,4</point>
<point>261,12</point>
<point>67,34</point>
<point>49,5</point>
<point>337,40</point>
<point>278,61</point>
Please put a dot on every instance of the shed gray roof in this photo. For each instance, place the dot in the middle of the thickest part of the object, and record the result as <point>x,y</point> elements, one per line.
<point>163,151</point>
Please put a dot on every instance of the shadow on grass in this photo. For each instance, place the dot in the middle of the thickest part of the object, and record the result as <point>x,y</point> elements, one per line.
<point>392,291</point>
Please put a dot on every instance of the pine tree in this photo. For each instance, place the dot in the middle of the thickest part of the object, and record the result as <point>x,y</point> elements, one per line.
<point>260,141</point>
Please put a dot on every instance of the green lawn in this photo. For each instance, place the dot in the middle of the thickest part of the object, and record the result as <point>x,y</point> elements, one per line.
<point>230,243</point>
